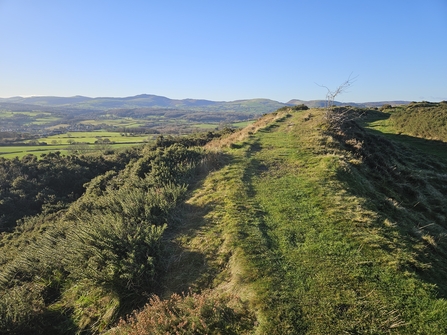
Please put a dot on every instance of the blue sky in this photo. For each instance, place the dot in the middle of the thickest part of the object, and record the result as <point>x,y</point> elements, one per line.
<point>225,50</point>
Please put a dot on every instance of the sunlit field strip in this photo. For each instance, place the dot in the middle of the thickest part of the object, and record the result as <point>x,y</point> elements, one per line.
<point>20,151</point>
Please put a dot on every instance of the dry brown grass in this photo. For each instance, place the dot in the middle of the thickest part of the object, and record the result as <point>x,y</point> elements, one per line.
<point>188,314</point>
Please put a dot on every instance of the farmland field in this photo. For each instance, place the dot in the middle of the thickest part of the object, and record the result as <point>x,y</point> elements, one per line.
<point>67,143</point>
<point>127,122</point>
<point>20,151</point>
<point>28,117</point>
<point>91,137</point>
<point>70,129</point>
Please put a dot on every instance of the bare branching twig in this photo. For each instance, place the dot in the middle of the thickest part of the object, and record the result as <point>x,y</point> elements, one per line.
<point>334,119</point>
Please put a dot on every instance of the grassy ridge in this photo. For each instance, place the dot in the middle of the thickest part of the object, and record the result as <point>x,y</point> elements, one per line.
<point>425,120</point>
<point>338,266</point>
<point>422,119</point>
<point>318,237</point>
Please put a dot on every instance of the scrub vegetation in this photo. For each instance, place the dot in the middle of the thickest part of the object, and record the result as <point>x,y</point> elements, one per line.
<point>288,226</point>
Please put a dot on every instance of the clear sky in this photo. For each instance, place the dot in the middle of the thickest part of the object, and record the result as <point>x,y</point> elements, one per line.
<point>225,50</point>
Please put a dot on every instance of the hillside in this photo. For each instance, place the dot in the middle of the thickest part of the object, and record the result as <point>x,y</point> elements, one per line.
<point>149,113</point>
<point>257,106</point>
<point>284,227</point>
<point>420,119</point>
<point>142,101</point>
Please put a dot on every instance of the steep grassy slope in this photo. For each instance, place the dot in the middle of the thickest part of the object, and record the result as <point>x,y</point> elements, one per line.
<point>422,119</point>
<point>301,232</point>
<point>422,125</point>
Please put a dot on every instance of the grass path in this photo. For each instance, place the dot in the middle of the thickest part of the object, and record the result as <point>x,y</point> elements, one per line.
<point>283,233</point>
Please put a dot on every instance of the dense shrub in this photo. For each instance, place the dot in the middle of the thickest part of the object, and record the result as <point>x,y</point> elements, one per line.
<point>30,185</point>
<point>301,107</point>
<point>108,242</point>
<point>385,107</point>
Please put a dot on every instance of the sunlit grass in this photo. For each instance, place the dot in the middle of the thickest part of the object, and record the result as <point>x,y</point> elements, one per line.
<point>92,137</point>
<point>242,124</point>
<point>206,125</point>
<point>6,114</point>
<point>303,247</point>
<point>384,123</point>
<point>384,126</point>
<point>38,118</point>
<point>62,144</point>
<point>27,113</point>
<point>20,151</point>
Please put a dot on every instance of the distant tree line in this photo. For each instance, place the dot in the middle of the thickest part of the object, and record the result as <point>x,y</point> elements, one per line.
<point>11,137</point>
<point>30,185</point>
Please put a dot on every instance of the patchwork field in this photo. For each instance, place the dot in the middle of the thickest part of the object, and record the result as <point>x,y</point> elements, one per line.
<point>69,143</point>
<point>89,141</point>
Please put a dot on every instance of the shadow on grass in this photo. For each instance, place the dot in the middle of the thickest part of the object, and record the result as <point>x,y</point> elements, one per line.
<point>49,322</point>
<point>185,269</point>
<point>431,147</point>
<point>254,169</point>
<point>427,146</point>
<point>279,304</point>
<point>406,187</point>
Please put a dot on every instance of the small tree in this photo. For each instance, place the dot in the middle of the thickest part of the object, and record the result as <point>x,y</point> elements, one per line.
<point>335,117</point>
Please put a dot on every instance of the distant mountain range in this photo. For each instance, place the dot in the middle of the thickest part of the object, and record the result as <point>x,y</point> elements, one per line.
<point>82,103</point>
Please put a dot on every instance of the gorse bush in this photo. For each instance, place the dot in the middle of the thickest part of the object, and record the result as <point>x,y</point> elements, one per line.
<point>117,245</point>
<point>101,257</point>
<point>20,305</point>
<point>116,254</point>
<point>166,165</point>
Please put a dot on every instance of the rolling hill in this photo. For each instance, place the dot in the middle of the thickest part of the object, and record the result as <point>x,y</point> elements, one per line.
<point>283,227</point>
<point>258,106</point>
